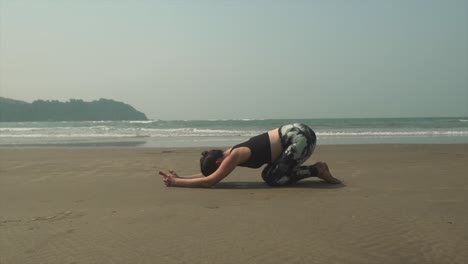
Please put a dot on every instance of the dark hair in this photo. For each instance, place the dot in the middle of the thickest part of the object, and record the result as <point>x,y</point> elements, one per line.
<point>208,161</point>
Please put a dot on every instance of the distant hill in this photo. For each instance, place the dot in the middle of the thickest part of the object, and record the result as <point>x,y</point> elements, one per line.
<point>73,110</point>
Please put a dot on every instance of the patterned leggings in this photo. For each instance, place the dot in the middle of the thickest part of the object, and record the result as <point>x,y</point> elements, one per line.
<point>298,142</point>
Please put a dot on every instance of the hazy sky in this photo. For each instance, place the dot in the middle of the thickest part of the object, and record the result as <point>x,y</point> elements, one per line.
<point>241,59</point>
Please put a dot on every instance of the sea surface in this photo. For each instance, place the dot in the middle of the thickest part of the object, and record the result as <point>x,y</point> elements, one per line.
<point>224,133</point>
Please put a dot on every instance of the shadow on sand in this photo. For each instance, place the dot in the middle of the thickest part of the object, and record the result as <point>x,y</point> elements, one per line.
<point>263,185</point>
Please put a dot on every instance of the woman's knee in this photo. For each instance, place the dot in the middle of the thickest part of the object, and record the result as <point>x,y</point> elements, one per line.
<point>275,175</point>
<point>276,182</point>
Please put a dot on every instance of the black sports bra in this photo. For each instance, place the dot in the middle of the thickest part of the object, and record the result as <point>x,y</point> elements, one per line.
<point>260,151</point>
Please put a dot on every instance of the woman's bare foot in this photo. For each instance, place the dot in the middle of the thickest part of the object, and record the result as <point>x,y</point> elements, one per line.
<point>325,174</point>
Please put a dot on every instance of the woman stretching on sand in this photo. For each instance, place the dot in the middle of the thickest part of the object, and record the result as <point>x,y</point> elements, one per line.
<point>284,149</point>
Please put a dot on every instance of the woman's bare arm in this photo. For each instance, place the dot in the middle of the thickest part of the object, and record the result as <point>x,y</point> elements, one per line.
<point>226,167</point>
<point>195,176</point>
<point>173,173</point>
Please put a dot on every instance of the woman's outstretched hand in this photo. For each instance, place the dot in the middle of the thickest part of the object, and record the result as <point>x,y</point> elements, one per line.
<point>169,179</point>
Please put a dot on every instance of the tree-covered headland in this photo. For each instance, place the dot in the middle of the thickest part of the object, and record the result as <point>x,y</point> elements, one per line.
<point>72,110</point>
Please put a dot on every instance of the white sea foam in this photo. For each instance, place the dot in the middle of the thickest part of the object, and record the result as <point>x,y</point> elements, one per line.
<point>139,121</point>
<point>393,133</point>
<point>196,132</point>
<point>347,130</point>
<point>98,122</point>
<point>20,129</point>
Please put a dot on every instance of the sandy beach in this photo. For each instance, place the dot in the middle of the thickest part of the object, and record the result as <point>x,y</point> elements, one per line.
<point>398,204</point>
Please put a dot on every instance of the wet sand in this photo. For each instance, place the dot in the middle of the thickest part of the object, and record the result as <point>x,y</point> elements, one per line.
<point>398,204</point>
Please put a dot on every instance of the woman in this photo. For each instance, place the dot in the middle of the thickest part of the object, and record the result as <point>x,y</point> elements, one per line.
<point>284,149</point>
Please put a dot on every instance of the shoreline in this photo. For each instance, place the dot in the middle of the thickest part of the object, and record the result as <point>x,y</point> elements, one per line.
<point>399,203</point>
<point>141,144</point>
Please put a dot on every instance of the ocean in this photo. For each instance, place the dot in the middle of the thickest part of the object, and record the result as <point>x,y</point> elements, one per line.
<point>224,133</point>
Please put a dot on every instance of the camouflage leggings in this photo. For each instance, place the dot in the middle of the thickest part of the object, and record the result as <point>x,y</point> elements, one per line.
<point>298,142</point>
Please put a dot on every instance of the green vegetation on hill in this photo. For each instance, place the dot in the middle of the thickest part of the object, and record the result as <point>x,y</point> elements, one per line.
<point>73,110</point>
